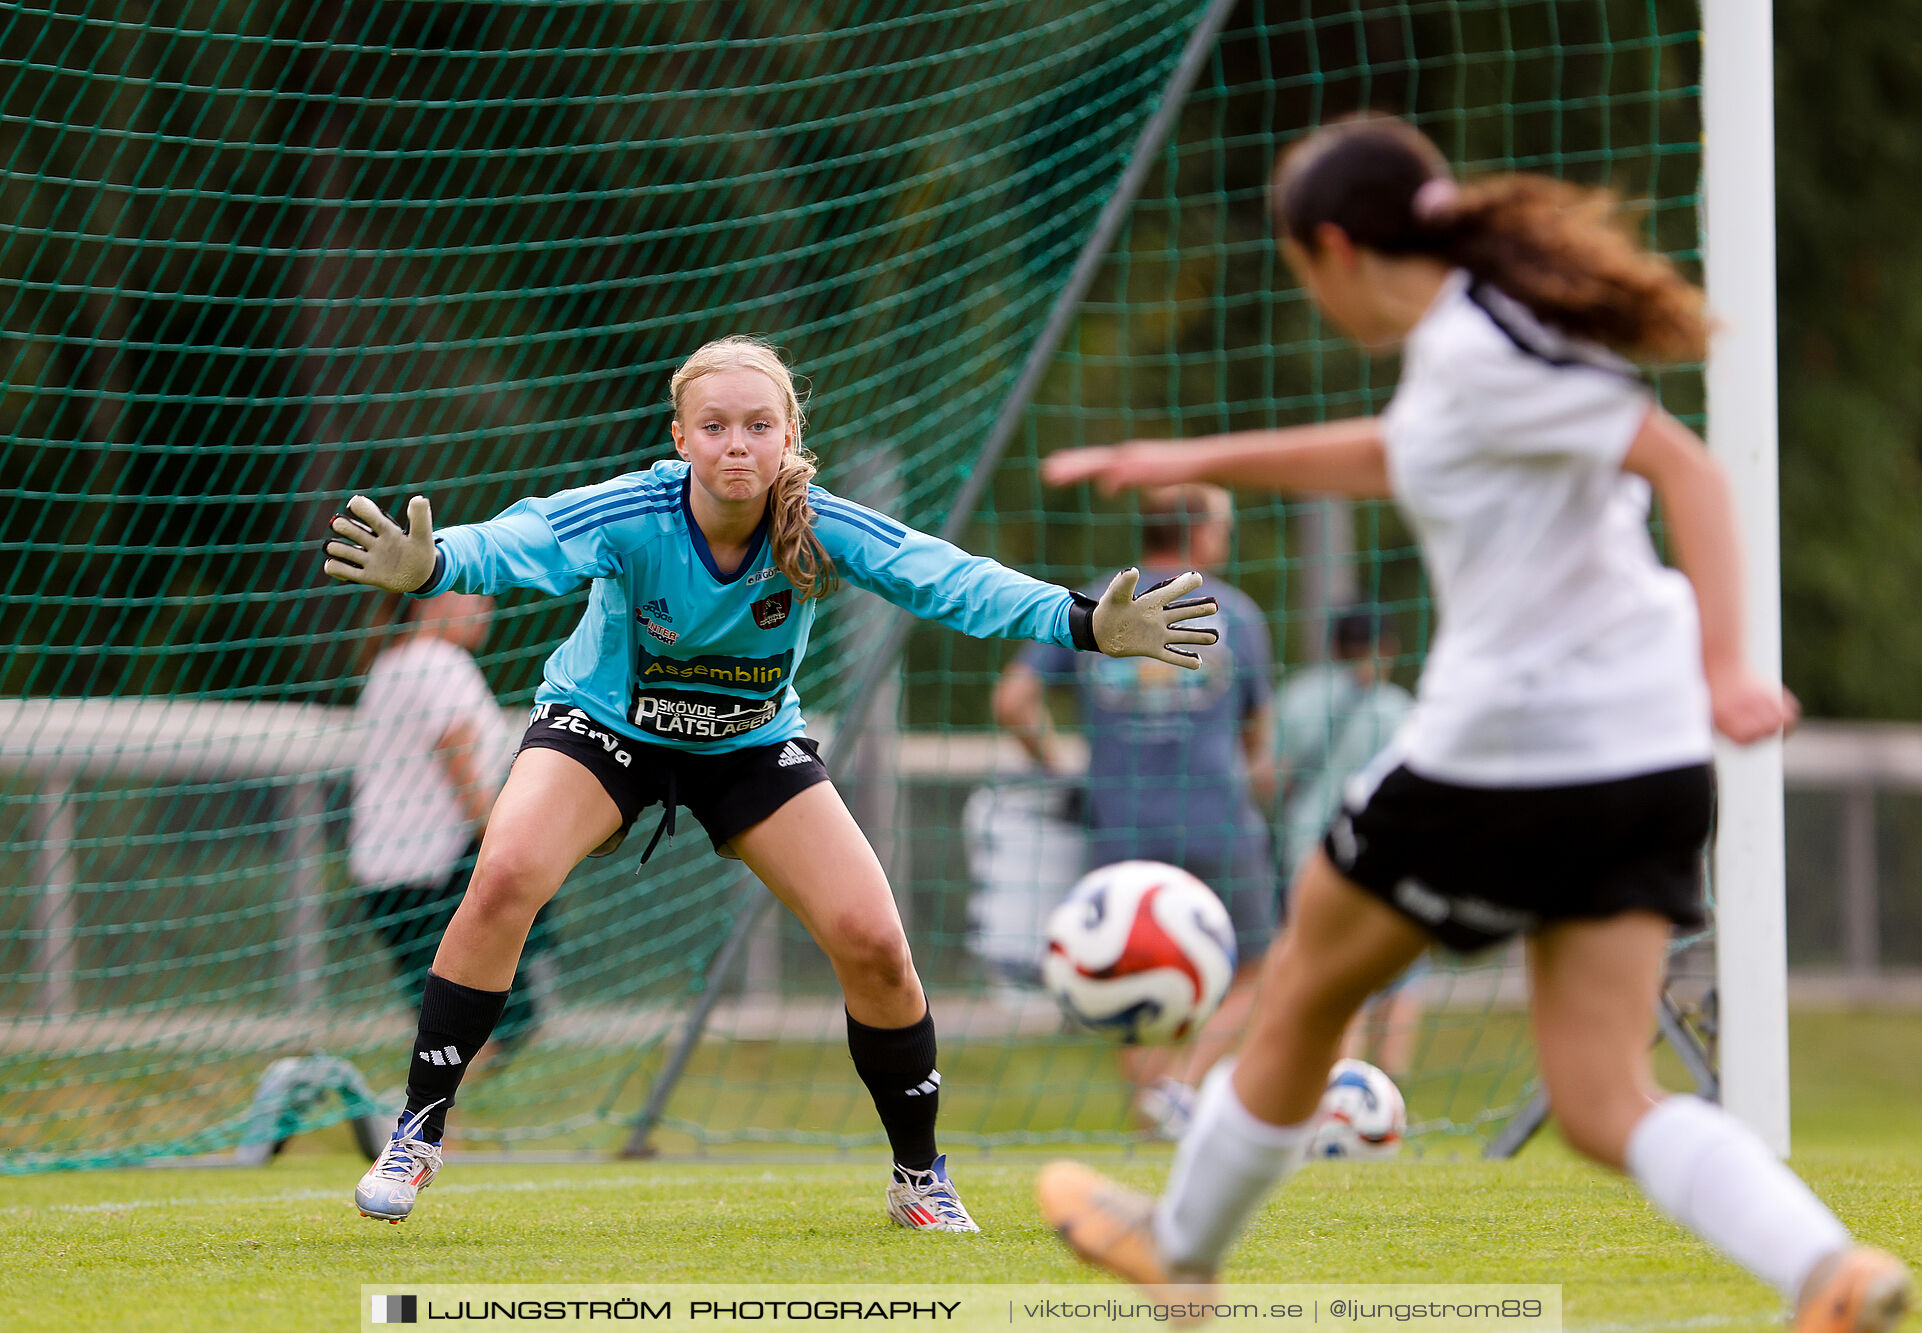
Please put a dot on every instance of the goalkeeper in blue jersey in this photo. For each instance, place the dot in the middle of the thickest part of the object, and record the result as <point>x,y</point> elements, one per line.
<point>677,689</point>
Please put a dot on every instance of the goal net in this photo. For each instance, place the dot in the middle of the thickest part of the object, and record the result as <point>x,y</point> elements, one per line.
<point>258,259</point>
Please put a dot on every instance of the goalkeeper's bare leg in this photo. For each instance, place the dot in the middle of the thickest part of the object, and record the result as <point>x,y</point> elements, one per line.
<point>813,857</point>
<point>549,816</point>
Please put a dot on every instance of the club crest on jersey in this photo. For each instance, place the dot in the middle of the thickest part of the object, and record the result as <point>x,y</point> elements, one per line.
<point>772,609</point>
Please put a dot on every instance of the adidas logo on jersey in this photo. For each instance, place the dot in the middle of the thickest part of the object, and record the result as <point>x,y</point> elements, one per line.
<point>651,612</point>
<point>447,1055</point>
<point>792,754</point>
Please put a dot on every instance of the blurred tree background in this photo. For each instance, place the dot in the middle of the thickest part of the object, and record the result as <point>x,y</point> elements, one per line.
<point>1848,201</point>
<point>260,257</point>
<point>256,256</point>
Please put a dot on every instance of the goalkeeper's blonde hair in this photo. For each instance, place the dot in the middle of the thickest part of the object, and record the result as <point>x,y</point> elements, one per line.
<point>796,550</point>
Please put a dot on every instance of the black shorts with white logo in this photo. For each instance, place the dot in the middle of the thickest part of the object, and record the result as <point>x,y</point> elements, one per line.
<point>1476,865</point>
<point>728,792</point>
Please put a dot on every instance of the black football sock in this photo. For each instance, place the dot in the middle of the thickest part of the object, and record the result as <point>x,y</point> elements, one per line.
<point>455,1022</point>
<point>897,1064</point>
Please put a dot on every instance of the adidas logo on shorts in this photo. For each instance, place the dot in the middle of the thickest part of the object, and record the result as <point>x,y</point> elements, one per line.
<point>792,754</point>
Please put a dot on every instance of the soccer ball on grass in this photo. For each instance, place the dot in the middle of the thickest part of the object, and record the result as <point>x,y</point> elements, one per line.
<point>1362,1115</point>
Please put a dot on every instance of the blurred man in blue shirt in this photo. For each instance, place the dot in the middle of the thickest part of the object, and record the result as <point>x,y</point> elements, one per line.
<point>1180,763</point>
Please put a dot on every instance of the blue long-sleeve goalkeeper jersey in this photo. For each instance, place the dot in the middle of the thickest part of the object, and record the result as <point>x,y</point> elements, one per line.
<point>673,651</point>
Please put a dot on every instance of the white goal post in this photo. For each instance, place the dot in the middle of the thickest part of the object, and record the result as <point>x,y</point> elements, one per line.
<point>1738,239</point>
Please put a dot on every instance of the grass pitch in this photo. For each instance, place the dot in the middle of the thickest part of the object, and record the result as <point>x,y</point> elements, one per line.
<point>281,1247</point>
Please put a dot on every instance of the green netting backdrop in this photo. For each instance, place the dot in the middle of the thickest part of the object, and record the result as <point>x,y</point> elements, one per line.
<point>257,257</point>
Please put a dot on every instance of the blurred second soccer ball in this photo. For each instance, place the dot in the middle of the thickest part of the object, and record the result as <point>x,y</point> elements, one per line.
<point>1362,1114</point>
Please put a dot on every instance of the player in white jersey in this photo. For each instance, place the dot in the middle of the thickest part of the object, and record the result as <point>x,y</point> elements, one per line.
<point>677,688</point>
<point>1553,779</point>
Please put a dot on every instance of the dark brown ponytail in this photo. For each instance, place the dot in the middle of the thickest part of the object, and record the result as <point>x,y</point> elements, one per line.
<point>1559,249</point>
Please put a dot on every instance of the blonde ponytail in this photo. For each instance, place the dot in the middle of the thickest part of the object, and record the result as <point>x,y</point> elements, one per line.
<point>795,548</point>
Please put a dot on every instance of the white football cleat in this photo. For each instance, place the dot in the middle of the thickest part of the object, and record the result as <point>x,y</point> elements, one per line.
<point>405,1167</point>
<point>926,1201</point>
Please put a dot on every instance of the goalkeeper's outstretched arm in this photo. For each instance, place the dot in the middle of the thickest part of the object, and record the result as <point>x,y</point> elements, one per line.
<point>938,581</point>
<point>516,549</point>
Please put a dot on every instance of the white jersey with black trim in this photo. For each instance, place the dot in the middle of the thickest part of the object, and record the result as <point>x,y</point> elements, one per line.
<point>672,651</point>
<point>1567,652</point>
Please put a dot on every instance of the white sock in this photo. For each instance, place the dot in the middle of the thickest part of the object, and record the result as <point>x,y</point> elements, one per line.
<point>1227,1161</point>
<point>1709,1172</point>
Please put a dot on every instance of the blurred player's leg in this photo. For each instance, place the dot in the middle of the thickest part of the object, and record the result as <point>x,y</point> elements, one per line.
<point>1241,870</point>
<point>1253,1118</point>
<point>815,859</point>
<point>1697,1163</point>
<point>1167,1104</point>
<point>1246,883</point>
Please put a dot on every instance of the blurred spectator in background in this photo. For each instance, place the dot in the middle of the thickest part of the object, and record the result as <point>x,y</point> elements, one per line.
<point>1331,719</point>
<point>434,752</point>
<point>1180,764</point>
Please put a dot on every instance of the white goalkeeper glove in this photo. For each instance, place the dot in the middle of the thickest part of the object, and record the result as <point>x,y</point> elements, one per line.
<point>1124,625</point>
<point>377,552</point>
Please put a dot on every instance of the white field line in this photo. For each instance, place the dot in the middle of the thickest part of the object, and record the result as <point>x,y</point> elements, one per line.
<point>621,1182</point>
<point>230,1031</point>
<point>344,1194</point>
<point>236,1031</point>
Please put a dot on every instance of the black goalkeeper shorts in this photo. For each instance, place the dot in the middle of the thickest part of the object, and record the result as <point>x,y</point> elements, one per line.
<point>729,792</point>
